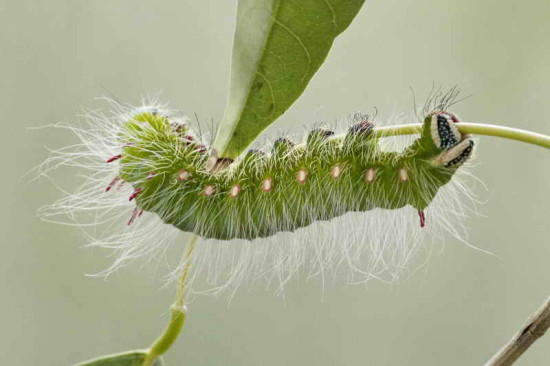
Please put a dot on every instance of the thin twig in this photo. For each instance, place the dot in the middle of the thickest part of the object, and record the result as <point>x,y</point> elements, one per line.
<point>216,163</point>
<point>179,312</point>
<point>473,128</point>
<point>535,328</point>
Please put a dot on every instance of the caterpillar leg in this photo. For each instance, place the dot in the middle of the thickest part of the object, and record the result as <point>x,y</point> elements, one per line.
<point>422,216</point>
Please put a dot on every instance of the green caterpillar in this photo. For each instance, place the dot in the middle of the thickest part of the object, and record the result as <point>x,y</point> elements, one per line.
<point>289,188</point>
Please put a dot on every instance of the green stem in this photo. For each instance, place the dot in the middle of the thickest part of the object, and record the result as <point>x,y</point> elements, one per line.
<point>167,338</point>
<point>465,128</point>
<point>179,312</point>
<point>505,132</point>
<point>214,165</point>
<point>470,128</point>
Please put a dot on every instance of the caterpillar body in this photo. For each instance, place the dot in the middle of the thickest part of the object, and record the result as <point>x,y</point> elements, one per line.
<point>293,186</point>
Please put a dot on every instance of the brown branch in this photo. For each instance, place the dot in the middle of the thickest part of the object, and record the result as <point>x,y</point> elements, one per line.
<point>535,328</point>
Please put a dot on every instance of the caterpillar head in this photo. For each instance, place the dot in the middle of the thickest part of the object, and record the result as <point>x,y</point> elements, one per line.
<point>452,148</point>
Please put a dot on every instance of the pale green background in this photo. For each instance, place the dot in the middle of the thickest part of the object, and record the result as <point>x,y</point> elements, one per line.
<point>56,55</point>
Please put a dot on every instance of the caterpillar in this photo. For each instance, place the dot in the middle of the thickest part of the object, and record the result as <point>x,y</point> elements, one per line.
<point>333,205</point>
<point>291,187</point>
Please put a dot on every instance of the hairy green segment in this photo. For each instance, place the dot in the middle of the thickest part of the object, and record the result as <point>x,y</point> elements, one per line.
<point>291,187</point>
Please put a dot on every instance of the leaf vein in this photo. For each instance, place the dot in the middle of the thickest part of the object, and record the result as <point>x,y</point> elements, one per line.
<point>270,87</point>
<point>333,14</point>
<point>299,40</point>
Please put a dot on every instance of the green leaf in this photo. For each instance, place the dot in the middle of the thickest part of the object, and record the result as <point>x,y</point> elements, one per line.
<point>132,358</point>
<point>278,47</point>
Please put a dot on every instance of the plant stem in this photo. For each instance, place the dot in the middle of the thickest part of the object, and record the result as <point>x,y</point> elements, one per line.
<point>535,328</point>
<point>468,128</point>
<point>214,165</point>
<point>179,312</point>
<point>167,338</point>
<point>182,283</point>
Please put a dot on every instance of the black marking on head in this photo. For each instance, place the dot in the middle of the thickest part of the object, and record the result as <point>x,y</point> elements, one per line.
<point>447,132</point>
<point>462,156</point>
